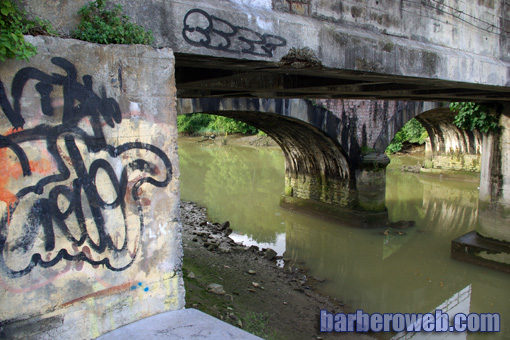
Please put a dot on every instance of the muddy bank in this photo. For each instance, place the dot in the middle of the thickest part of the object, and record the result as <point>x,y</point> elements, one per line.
<point>259,140</point>
<point>244,286</point>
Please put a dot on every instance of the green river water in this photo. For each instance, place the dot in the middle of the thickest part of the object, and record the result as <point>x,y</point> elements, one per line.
<point>409,273</point>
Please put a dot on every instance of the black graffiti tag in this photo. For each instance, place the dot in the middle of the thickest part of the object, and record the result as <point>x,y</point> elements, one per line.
<point>69,204</point>
<point>203,29</point>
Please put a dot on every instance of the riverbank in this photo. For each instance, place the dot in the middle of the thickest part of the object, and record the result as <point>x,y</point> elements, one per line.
<point>245,286</point>
<point>258,140</point>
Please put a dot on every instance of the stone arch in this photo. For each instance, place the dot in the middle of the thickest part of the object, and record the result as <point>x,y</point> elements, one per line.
<point>403,112</point>
<point>316,166</point>
<point>448,146</point>
<point>446,137</point>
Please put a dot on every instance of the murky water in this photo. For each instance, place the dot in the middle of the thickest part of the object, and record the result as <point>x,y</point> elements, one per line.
<point>408,272</point>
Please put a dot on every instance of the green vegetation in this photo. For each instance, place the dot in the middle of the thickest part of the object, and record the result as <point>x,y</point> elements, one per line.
<point>472,116</point>
<point>13,25</point>
<point>199,123</point>
<point>413,132</point>
<point>256,324</point>
<point>198,297</point>
<point>365,150</point>
<point>103,26</point>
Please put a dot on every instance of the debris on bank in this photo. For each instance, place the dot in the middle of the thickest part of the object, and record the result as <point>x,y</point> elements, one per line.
<point>215,236</point>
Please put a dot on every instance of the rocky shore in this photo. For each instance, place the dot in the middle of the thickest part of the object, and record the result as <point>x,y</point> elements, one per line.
<point>244,286</point>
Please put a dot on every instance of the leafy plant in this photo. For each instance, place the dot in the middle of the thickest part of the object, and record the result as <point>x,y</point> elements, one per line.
<point>413,132</point>
<point>13,25</point>
<point>103,26</point>
<point>226,125</point>
<point>197,123</point>
<point>193,123</point>
<point>472,116</point>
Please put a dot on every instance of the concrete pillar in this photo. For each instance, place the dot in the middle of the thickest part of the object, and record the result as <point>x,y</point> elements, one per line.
<point>358,203</point>
<point>489,244</point>
<point>371,182</point>
<point>90,235</point>
<point>494,206</point>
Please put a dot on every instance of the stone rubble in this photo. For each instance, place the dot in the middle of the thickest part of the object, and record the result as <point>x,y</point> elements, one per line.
<point>216,236</point>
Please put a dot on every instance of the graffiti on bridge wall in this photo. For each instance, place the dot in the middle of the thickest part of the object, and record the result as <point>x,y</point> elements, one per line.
<point>69,195</point>
<point>203,29</point>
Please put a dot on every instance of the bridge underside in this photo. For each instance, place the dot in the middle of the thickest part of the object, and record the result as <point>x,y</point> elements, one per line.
<point>299,75</point>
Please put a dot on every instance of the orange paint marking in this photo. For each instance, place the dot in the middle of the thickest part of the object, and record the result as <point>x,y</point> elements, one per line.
<point>12,169</point>
<point>105,292</point>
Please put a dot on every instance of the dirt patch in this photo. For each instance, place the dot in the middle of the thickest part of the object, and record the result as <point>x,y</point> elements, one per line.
<point>412,149</point>
<point>233,139</point>
<point>255,293</point>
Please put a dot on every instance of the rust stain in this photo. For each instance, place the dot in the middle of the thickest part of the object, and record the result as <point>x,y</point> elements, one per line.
<point>105,292</point>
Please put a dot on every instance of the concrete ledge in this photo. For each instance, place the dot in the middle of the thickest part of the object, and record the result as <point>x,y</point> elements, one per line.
<point>179,324</point>
<point>481,251</point>
<point>348,216</point>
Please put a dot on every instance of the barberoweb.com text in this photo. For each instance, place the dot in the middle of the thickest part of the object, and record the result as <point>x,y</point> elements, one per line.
<point>410,322</point>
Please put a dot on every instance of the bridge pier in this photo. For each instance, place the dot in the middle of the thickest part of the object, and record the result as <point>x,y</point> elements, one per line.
<point>359,202</point>
<point>489,244</point>
<point>371,183</point>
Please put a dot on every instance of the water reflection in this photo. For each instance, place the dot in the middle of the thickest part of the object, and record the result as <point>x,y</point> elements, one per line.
<point>385,270</point>
<point>239,184</point>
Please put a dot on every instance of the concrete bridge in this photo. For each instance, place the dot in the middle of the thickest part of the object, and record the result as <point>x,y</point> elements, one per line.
<point>406,50</point>
<point>76,119</point>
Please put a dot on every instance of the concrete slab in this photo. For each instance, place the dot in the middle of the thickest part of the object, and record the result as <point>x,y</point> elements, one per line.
<point>476,249</point>
<point>179,324</point>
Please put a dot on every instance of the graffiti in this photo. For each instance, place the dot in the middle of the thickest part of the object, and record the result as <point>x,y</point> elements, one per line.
<point>202,29</point>
<point>79,204</point>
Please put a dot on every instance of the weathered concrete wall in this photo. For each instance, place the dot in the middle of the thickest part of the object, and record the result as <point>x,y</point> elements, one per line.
<point>463,41</point>
<point>461,24</point>
<point>476,26</point>
<point>89,234</point>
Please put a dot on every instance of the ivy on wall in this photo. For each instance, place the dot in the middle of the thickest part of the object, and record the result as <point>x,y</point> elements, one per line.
<point>98,24</point>
<point>472,116</point>
<point>101,25</point>
<point>412,132</point>
<point>13,25</point>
